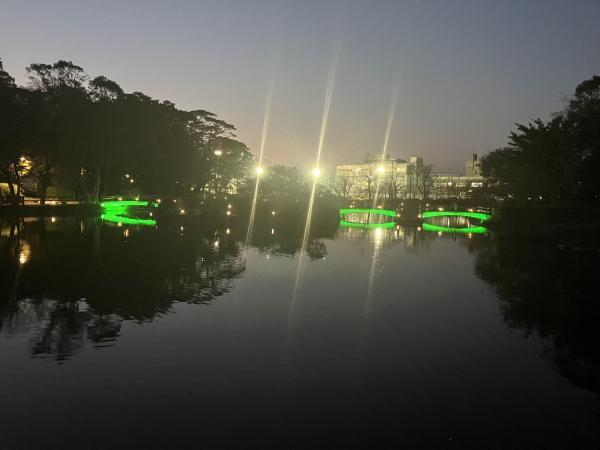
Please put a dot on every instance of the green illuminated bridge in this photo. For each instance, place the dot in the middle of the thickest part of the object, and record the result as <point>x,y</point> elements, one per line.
<point>425,215</point>
<point>473,215</point>
<point>119,212</point>
<point>384,212</point>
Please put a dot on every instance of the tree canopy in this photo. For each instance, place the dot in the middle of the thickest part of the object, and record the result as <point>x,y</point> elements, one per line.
<point>87,134</point>
<point>555,160</point>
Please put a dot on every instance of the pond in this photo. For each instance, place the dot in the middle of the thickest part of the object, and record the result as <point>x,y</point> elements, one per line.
<point>115,335</point>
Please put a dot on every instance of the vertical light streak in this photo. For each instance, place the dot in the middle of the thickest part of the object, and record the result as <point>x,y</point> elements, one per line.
<point>260,156</point>
<point>333,63</point>
<point>395,93</point>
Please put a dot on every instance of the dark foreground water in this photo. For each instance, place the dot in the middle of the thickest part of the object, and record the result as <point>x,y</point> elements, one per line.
<point>123,337</point>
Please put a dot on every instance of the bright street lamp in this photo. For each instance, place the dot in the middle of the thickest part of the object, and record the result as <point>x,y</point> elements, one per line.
<point>259,170</point>
<point>316,172</point>
<point>380,169</point>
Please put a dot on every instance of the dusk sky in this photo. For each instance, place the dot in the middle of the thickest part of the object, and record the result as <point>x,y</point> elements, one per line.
<point>466,70</point>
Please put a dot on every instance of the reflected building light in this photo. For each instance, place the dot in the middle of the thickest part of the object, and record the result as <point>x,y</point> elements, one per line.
<point>272,230</point>
<point>273,212</point>
<point>440,233</point>
<point>25,253</point>
<point>182,211</point>
<point>227,231</point>
<point>53,219</point>
<point>126,232</point>
<point>119,224</point>
<point>228,213</point>
<point>216,244</point>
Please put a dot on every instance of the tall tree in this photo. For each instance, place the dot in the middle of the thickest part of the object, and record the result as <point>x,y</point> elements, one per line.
<point>558,159</point>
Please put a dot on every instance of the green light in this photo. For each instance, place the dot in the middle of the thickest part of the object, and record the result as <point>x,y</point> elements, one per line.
<point>128,220</point>
<point>123,204</point>
<point>343,223</point>
<point>474,215</point>
<point>474,230</point>
<point>384,212</point>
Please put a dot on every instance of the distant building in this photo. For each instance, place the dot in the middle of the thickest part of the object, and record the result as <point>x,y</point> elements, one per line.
<point>395,176</point>
<point>474,167</point>
<point>400,179</point>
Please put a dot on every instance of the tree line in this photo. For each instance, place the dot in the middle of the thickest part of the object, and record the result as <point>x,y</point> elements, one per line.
<point>557,160</point>
<point>70,130</point>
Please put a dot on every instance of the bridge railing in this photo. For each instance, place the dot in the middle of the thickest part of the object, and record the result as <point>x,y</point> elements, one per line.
<point>122,197</point>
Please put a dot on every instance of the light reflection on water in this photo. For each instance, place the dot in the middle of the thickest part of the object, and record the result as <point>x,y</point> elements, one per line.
<point>393,329</point>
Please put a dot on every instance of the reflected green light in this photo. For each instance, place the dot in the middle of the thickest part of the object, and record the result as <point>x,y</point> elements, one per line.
<point>474,215</point>
<point>343,223</point>
<point>128,220</point>
<point>474,230</point>
<point>384,212</point>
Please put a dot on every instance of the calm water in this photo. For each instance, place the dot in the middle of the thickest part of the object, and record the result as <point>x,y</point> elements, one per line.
<point>123,337</point>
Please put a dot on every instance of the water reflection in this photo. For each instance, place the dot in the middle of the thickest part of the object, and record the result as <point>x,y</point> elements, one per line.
<point>50,264</point>
<point>553,294</point>
<point>67,283</point>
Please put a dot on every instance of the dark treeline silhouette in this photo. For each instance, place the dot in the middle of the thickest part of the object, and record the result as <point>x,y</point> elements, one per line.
<point>69,130</point>
<point>554,160</point>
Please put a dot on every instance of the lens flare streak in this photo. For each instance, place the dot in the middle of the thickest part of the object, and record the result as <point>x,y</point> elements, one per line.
<point>395,93</point>
<point>260,156</point>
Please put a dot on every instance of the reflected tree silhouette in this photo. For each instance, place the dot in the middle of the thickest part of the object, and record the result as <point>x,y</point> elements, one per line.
<point>134,275</point>
<point>553,294</point>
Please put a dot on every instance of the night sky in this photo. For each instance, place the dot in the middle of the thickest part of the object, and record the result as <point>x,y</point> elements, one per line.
<point>466,71</point>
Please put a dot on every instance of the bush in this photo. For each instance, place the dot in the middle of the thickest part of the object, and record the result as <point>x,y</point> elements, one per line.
<point>61,192</point>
